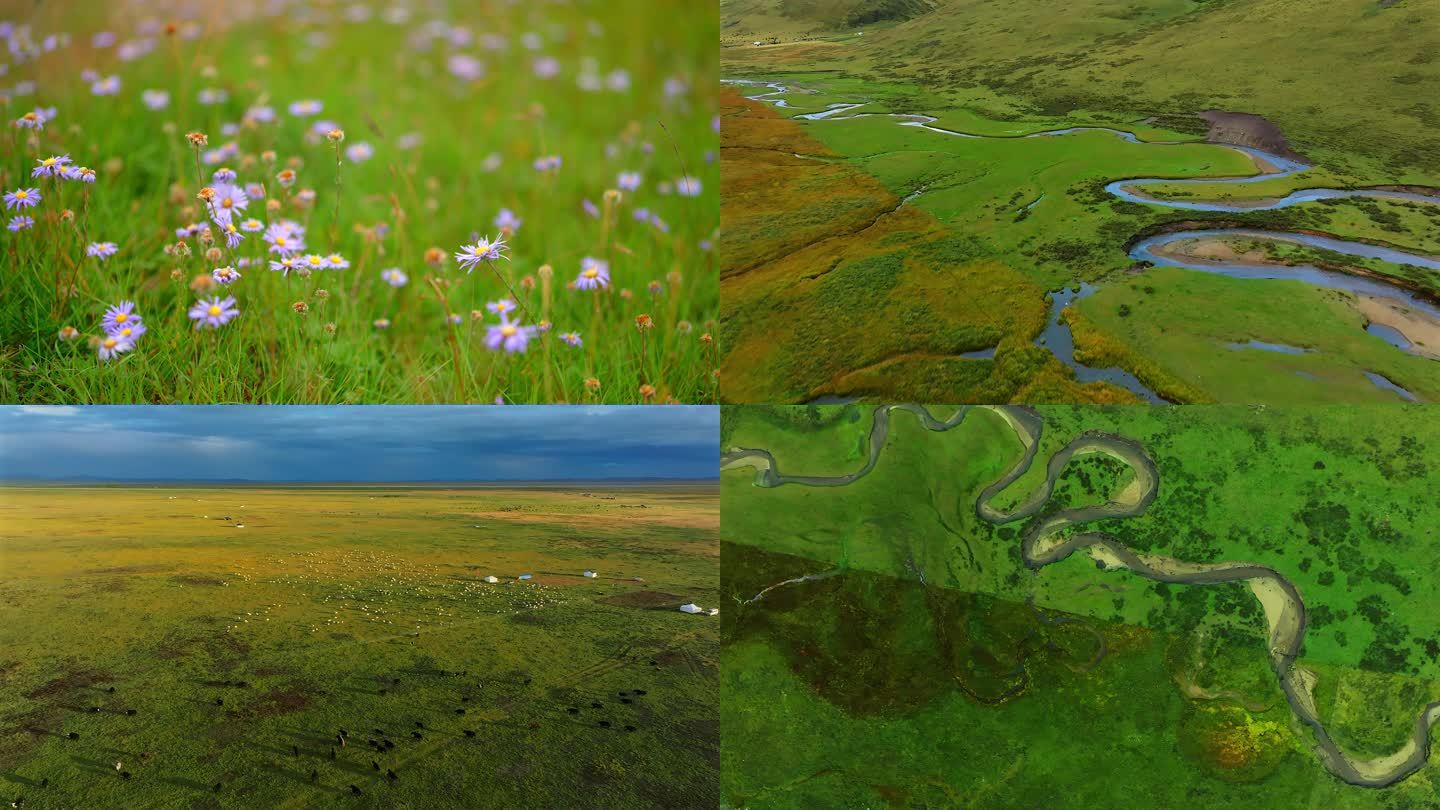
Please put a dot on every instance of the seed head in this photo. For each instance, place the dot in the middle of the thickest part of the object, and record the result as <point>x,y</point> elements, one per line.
<point>647,391</point>
<point>69,333</point>
<point>213,255</point>
<point>612,196</point>
<point>177,274</point>
<point>67,215</point>
<point>382,323</point>
<point>592,384</point>
<point>335,135</point>
<point>300,307</point>
<point>705,338</point>
<point>197,139</point>
<point>322,294</point>
<point>268,156</point>
<point>683,327</point>
<point>206,194</point>
<point>330,328</point>
<point>527,283</point>
<point>272,206</point>
<point>202,282</point>
<point>545,272</point>
<point>643,322</point>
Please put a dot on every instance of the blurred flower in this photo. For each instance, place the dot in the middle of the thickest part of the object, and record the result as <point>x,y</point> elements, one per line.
<point>225,275</point>
<point>109,346</point>
<point>571,338</point>
<point>52,166</point>
<point>593,273</point>
<point>20,223</point>
<point>394,277</point>
<point>511,336</point>
<point>102,250</point>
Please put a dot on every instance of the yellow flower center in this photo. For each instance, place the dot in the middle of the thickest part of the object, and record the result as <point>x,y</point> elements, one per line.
<point>590,272</point>
<point>121,317</point>
<point>316,260</point>
<point>22,195</point>
<point>126,332</point>
<point>280,241</point>
<point>50,162</point>
<point>227,202</point>
<point>111,343</point>
<point>508,331</point>
<point>214,310</point>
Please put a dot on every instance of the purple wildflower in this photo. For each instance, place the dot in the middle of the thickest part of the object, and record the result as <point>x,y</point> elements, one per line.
<point>336,262</point>
<point>130,331</point>
<point>300,109</point>
<point>284,264</point>
<point>510,335</point>
<point>22,198</point>
<point>155,99</point>
<point>21,223</point>
<point>483,250</point>
<point>394,277</point>
<point>213,313</point>
<point>571,338</point>
<point>225,275</point>
<point>120,315</point>
<point>506,220</point>
<point>51,166</point>
<point>687,187</point>
<point>109,346</point>
<point>593,273</point>
<point>628,181</point>
<point>102,250</point>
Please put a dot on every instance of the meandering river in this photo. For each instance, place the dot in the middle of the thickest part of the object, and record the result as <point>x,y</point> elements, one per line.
<point>1269,166</point>
<point>1043,543</point>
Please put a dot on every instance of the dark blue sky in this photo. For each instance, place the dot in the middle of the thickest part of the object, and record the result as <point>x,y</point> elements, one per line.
<point>359,443</point>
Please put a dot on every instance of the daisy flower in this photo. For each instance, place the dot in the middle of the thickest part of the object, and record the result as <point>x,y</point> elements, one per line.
<point>282,240</point>
<point>108,86</point>
<point>51,166</point>
<point>336,262</point>
<point>571,338</point>
<point>21,223</point>
<point>252,225</point>
<point>22,198</point>
<point>233,236</point>
<point>223,176</point>
<point>31,120</point>
<point>213,95</point>
<point>129,332</point>
<point>502,307</point>
<point>508,335</point>
<point>284,264</point>
<point>593,273</point>
<point>359,152</point>
<point>230,197</point>
<point>214,313</point>
<point>628,181</point>
<point>506,220</point>
<point>225,275</point>
<point>394,277</point>
<point>102,250</point>
<point>548,163</point>
<point>120,315</point>
<point>483,250</point>
<point>313,261</point>
<point>84,174</point>
<point>155,99</point>
<point>109,346</point>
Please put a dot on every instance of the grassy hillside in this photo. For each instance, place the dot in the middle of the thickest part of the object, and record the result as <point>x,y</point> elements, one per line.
<point>1278,58</point>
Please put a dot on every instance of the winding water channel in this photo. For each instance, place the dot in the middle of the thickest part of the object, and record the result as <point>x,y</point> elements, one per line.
<point>1042,543</point>
<point>1269,166</point>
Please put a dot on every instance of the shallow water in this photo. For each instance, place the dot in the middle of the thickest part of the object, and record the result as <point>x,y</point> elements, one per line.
<point>1268,347</point>
<point>1381,381</point>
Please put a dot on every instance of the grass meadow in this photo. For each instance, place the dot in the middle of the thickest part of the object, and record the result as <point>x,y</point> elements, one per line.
<point>948,672</point>
<point>483,202</point>
<point>243,651</point>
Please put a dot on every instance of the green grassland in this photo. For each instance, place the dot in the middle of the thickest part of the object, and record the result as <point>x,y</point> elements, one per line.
<point>929,639</point>
<point>1038,205</point>
<point>477,142</point>
<point>361,609</point>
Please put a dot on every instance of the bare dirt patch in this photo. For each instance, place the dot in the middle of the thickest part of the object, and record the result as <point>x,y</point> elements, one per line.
<point>192,579</point>
<point>1420,329</point>
<point>280,701</point>
<point>644,600</point>
<point>155,568</point>
<point>1247,129</point>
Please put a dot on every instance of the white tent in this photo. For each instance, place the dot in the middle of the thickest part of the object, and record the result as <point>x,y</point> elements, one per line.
<point>692,608</point>
<point>525,576</point>
<point>591,574</point>
<point>492,578</point>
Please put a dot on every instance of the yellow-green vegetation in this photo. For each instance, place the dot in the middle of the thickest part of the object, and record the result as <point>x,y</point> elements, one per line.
<point>834,286</point>
<point>1037,678</point>
<point>1039,206</point>
<point>245,627</point>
